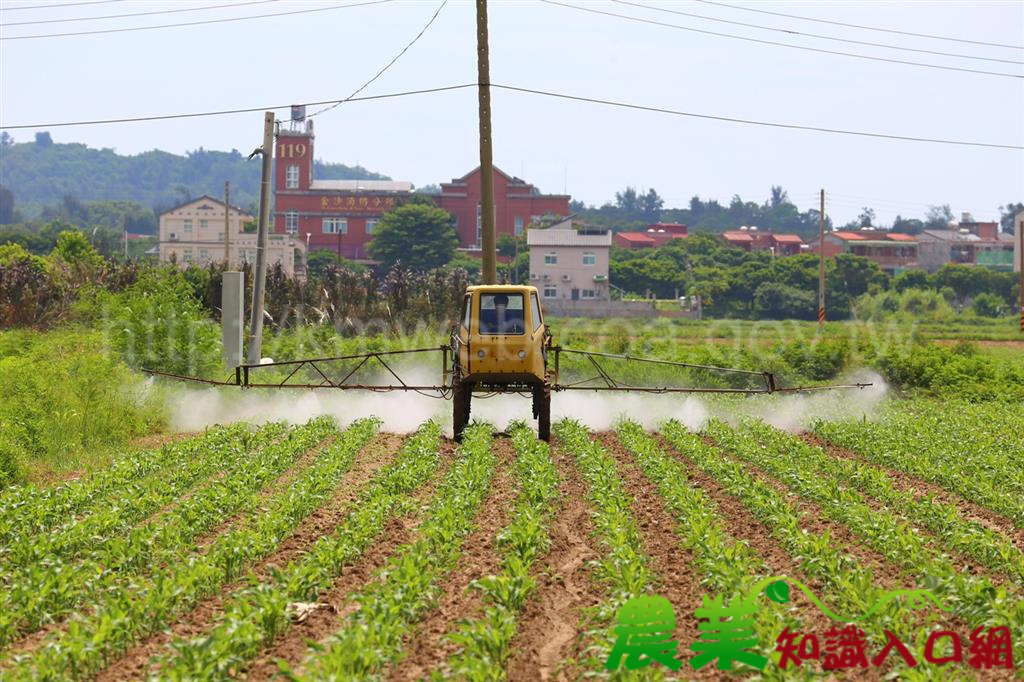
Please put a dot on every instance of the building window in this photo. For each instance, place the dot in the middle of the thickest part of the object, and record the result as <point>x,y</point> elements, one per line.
<point>203,224</point>
<point>335,226</point>
<point>291,177</point>
<point>220,236</point>
<point>551,258</point>
<point>588,293</point>
<point>550,291</point>
<point>291,222</point>
<point>371,225</point>
<point>187,255</point>
<point>188,226</point>
<point>519,226</point>
<point>204,255</point>
<point>589,258</point>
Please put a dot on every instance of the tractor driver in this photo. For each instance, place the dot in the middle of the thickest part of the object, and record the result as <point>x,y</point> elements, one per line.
<point>508,321</point>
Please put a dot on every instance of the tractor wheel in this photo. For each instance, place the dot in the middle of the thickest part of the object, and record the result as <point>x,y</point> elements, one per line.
<point>542,410</point>
<point>460,408</point>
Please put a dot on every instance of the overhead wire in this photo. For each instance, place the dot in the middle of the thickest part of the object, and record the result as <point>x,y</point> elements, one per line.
<point>196,23</point>
<point>63,4</point>
<point>226,112</point>
<point>780,44</point>
<point>860,26</point>
<point>576,98</point>
<point>135,14</point>
<point>816,35</point>
<point>769,124</point>
<point>386,66</point>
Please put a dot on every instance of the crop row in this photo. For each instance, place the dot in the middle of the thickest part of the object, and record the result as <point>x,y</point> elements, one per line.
<point>256,616</point>
<point>98,530</point>
<point>727,566</point>
<point>45,592</point>
<point>388,609</point>
<point>28,510</point>
<point>976,599</point>
<point>970,539</point>
<point>123,617</point>
<point>976,457</point>
<point>485,641</point>
<point>624,567</point>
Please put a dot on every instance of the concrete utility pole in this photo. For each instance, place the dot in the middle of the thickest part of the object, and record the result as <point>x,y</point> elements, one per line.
<point>483,69</point>
<point>821,262</point>
<point>124,230</point>
<point>227,224</point>
<point>256,324</point>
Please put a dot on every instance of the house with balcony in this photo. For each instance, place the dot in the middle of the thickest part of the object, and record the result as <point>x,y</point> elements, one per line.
<point>656,234</point>
<point>971,243</point>
<point>894,252</point>
<point>569,261</point>
<point>750,239</point>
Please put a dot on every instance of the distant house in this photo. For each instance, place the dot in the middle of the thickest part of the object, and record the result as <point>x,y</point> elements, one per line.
<point>569,261</point>
<point>751,239</point>
<point>971,243</point>
<point>194,233</point>
<point>656,234</point>
<point>894,252</point>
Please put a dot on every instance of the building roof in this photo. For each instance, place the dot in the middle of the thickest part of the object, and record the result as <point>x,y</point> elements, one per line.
<point>950,236</point>
<point>636,238</point>
<point>846,236</point>
<point>362,185</point>
<point>737,236</point>
<point>566,238</point>
<point>205,197</point>
<point>900,237</point>
<point>788,238</point>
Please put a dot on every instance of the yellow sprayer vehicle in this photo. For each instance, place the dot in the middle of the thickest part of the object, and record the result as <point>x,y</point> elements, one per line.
<point>502,345</point>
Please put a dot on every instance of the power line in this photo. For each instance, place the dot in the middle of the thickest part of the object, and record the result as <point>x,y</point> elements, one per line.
<point>136,14</point>
<point>866,28</point>
<point>225,112</point>
<point>816,35</point>
<point>778,44</point>
<point>769,124</point>
<point>63,4</point>
<point>387,66</point>
<point>576,98</point>
<point>196,23</point>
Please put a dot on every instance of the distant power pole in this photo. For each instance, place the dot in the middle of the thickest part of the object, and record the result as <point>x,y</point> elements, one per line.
<point>227,224</point>
<point>483,68</point>
<point>1020,242</point>
<point>124,230</point>
<point>256,324</point>
<point>821,262</point>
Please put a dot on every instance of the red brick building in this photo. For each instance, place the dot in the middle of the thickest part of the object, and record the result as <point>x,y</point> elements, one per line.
<point>517,204</point>
<point>338,215</point>
<point>893,251</point>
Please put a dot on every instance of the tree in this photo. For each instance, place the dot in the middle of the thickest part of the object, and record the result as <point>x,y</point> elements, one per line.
<point>420,236</point>
<point>907,225</point>
<point>6,206</point>
<point>43,139</point>
<point>858,273</point>
<point>6,140</point>
<point>650,205</point>
<point>74,249</point>
<point>510,246</point>
<point>1006,215</point>
<point>914,278</point>
<point>988,305</point>
<point>938,217</point>
<point>626,200</point>
<point>866,217</point>
<point>781,302</point>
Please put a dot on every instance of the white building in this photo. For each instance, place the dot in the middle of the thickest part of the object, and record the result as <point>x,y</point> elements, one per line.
<point>194,233</point>
<point>569,264</point>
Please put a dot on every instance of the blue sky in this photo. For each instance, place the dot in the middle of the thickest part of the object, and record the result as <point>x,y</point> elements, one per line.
<point>588,150</point>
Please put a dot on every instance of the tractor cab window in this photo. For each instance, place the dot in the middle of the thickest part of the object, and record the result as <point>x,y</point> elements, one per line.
<point>467,315</point>
<point>535,309</point>
<point>502,314</point>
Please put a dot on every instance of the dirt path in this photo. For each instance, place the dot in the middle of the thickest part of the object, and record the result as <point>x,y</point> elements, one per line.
<point>549,623</point>
<point>426,648</point>
<point>920,489</point>
<point>374,456</point>
<point>293,646</point>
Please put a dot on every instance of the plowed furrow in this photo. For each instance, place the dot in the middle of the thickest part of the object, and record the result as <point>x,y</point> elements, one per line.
<point>427,647</point>
<point>378,453</point>
<point>549,624</point>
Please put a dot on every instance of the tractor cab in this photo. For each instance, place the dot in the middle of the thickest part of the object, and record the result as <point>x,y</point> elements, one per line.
<point>500,345</point>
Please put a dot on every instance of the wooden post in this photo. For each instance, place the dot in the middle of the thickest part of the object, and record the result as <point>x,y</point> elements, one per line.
<point>483,67</point>
<point>821,263</point>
